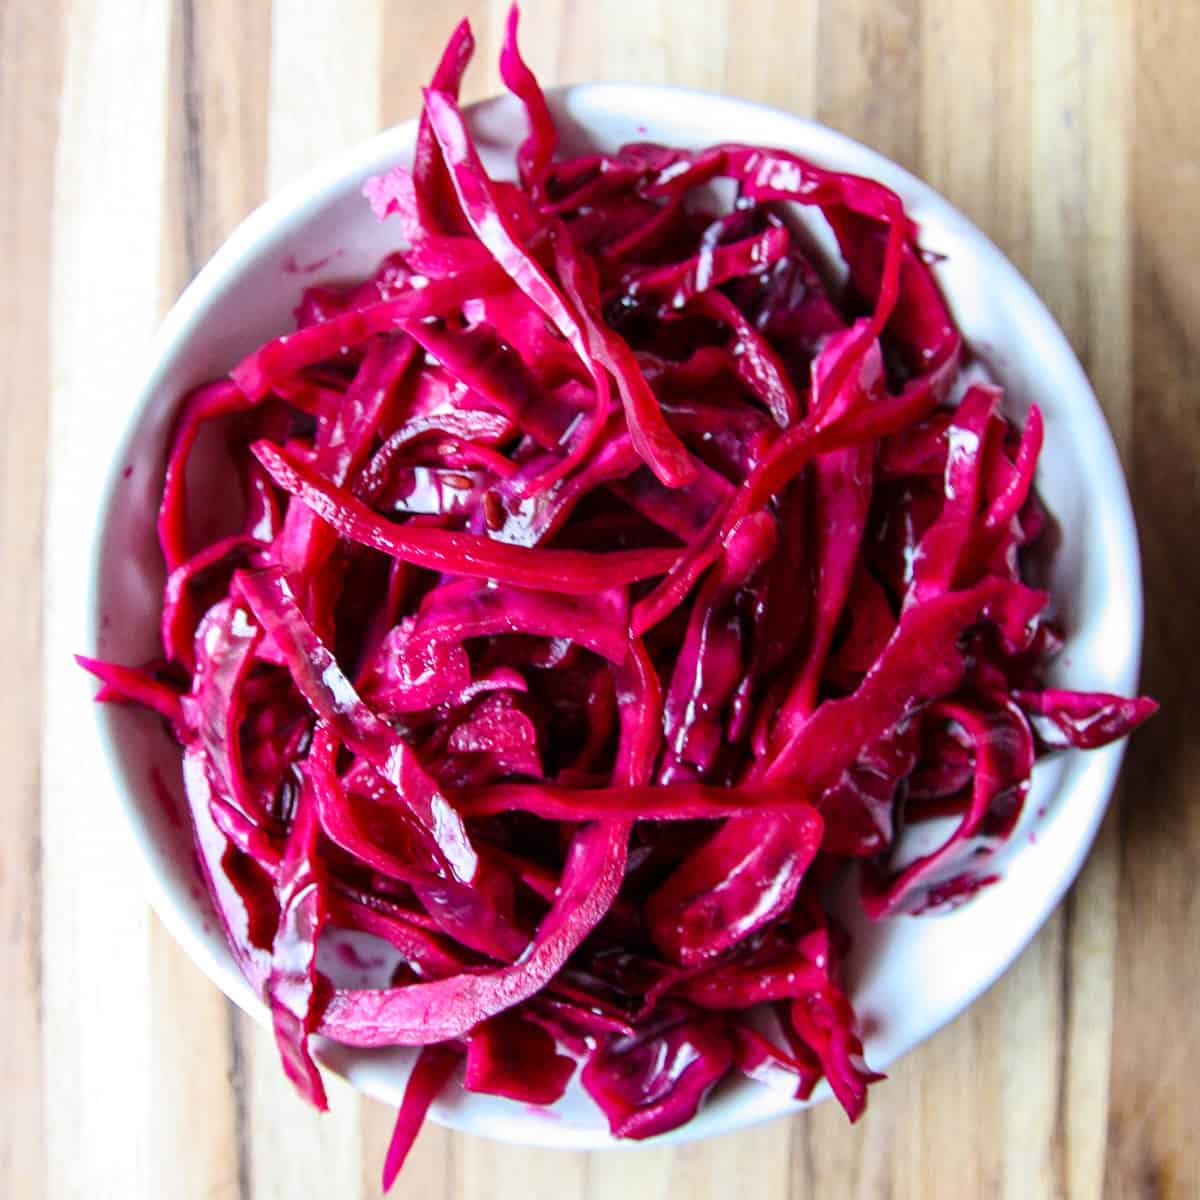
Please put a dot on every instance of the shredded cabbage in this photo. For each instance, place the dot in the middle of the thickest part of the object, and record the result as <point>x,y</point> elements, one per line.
<point>605,585</point>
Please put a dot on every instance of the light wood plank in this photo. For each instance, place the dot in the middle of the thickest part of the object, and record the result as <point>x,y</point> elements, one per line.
<point>103,1080</point>
<point>192,1118</point>
<point>771,54</point>
<point>641,1171</point>
<point>410,44</point>
<point>324,95</point>
<point>28,129</point>
<point>758,1159</point>
<point>433,1167</point>
<point>869,72</point>
<point>216,144</point>
<point>488,1168</point>
<point>296,1152</point>
<point>975,123</point>
<point>219,94</point>
<point>670,41</point>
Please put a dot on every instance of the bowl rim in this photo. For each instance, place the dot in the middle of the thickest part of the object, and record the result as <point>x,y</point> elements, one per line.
<point>303,197</point>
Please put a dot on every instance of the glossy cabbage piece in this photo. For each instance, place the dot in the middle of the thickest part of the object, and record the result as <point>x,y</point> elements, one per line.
<point>657,1079</point>
<point>601,584</point>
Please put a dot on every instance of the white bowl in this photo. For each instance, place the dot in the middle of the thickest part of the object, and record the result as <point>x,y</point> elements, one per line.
<point>908,976</point>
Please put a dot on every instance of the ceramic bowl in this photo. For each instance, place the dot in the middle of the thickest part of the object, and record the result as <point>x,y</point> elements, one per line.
<point>908,976</point>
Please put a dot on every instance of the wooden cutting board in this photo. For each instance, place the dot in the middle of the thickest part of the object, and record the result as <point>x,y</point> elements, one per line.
<point>134,134</point>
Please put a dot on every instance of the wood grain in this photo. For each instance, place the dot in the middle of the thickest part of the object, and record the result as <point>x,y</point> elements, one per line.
<point>217,106</point>
<point>102,1086</point>
<point>1152,1147</point>
<point>28,124</point>
<point>135,135</point>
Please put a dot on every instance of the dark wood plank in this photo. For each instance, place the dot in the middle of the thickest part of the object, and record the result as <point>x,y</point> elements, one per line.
<point>1156,1037</point>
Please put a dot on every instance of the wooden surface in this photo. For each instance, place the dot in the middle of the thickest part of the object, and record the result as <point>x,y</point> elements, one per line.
<point>135,133</point>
